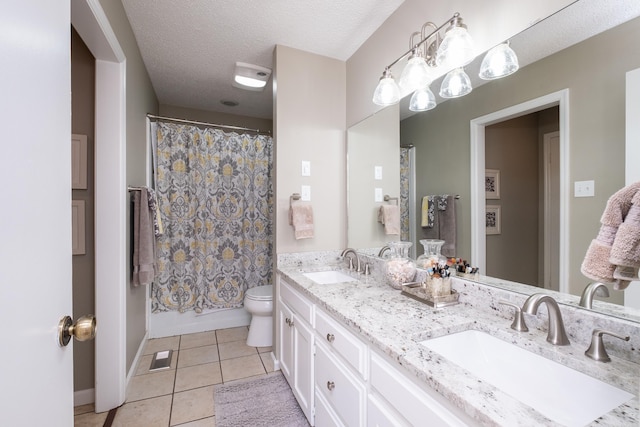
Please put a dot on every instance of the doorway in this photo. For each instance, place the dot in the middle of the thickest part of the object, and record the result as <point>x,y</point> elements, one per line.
<point>524,166</point>
<point>478,199</point>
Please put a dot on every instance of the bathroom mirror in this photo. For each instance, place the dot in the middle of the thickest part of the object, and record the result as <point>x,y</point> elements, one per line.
<point>596,152</point>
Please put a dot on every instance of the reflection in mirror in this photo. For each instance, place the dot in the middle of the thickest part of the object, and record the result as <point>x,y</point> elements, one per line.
<point>595,150</point>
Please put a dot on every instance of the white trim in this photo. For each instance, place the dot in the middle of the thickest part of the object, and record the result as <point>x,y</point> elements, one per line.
<point>477,140</point>
<point>110,229</point>
<point>136,359</point>
<point>92,24</point>
<point>276,362</point>
<point>84,397</point>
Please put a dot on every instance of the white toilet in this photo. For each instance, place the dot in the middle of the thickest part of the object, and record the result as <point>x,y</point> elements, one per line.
<point>259,302</point>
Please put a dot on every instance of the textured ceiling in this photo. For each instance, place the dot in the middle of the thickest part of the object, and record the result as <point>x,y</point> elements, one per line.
<point>190,47</point>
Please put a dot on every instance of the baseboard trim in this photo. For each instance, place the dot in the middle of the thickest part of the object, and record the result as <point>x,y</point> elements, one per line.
<point>276,362</point>
<point>136,360</point>
<point>84,397</point>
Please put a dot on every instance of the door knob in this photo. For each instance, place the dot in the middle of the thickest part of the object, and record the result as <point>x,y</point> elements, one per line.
<point>83,329</point>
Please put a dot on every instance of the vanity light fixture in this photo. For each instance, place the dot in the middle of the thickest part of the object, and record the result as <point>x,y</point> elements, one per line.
<point>250,77</point>
<point>449,54</point>
<point>500,61</point>
<point>454,51</point>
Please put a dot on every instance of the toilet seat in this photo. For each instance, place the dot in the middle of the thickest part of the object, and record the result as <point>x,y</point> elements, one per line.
<point>260,293</point>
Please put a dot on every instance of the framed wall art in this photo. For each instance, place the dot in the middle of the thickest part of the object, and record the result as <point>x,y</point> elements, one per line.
<point>493,219</point>
<point>492,184</point>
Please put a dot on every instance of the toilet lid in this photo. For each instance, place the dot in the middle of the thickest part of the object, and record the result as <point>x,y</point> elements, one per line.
<point>260,293</point>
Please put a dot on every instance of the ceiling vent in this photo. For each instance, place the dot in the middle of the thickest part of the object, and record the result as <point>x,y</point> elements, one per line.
<point>250,77</point>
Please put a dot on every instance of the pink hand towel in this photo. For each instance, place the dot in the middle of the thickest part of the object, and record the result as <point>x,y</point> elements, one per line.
<point>389,216</point>
<point>301,218</point>
<point>604,263</point>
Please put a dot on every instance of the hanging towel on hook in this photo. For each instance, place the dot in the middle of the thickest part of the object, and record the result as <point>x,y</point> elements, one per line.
<point>614,255</point>
<point>144,254</point>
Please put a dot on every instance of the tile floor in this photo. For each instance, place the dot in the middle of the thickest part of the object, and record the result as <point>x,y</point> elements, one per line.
<point>183,394</point>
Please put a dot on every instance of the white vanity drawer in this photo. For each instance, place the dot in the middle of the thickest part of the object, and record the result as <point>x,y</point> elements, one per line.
<point>342,390</point>
<point>295,301</point>
<point>418,407</point>
<point>342,342</point>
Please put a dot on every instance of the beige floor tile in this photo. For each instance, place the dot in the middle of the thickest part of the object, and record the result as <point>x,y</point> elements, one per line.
<point>232,334</point>
<point>198,376</point>
<point>230,350</point>
<point>144,413</point>
<point>241,367</point>
<point>192,405</point>
<point>150,385</point>
<point>145,363</point>
<point>198,339</point>
<point>198,356</point>
<point>160,344</point>
<point>90,419</point>
<point>205,422</point>
<point>267,361</point>
<point>265,349</point>
<point>84,409</point>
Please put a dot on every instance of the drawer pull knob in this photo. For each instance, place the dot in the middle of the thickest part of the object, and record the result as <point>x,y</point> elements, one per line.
<point>331,385</point>
<point>331,338</point>
<point>288,321</point>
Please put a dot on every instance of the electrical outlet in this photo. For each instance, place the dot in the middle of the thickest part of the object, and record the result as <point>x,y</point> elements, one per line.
<point>377,172</point>
<point>306,168</point>
<point>584,188</point>
<point>305,193</point>
<point>378,195</point>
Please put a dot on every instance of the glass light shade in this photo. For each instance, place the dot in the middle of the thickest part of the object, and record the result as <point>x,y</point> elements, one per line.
<point>416,74</point>
<point>500,61</point>
<point>456,50</point>
<point>422,100</point>
<point>387,92</point>
<point>455,84</point>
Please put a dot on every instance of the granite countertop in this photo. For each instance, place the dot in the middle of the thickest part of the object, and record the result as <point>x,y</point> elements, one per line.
<point>395,324</point>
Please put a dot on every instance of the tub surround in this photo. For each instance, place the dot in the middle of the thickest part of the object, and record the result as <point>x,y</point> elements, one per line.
<point>394,325</point>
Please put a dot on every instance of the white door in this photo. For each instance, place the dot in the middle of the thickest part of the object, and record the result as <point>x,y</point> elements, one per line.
<point>35,213</point>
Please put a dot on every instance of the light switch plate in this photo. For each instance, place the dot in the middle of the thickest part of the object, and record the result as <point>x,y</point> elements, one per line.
<point>378,195</point>
<point>306,168</point>
<point>377,172</point>
<point>584,188</point>
<point>305,193</point>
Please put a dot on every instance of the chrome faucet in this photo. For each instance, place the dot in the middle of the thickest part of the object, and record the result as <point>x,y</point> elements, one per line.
<point>383,250</point>
<point>593,289</point>
<point>355,255</point>
<point>557,334</point>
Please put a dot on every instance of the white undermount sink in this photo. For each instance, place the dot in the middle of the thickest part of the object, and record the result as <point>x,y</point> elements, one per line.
<point>562,394</point>
<point>328,277</point>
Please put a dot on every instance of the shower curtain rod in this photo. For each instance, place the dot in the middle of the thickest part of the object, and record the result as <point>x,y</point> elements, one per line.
<point>171,119</point>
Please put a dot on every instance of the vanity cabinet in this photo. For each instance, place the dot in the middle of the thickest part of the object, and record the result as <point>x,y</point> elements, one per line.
<point>339,381</point>
<point>296,345</point>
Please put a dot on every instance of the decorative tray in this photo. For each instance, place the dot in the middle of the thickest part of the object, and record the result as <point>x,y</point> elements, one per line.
<point>416,291</point>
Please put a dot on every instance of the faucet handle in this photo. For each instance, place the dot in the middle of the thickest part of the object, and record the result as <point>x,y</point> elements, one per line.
<point>596,350</point>
<point>518,319</point>
<point>367,269</point>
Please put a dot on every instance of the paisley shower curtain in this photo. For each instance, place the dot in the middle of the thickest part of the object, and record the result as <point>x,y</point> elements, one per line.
<point>215,198</point>
<point>405,176</point>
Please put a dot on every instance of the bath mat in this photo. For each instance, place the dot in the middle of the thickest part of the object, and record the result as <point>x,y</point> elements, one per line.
<point>254,402</point>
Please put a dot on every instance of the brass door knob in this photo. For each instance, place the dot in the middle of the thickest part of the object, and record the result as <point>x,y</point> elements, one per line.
<point>83,329</point>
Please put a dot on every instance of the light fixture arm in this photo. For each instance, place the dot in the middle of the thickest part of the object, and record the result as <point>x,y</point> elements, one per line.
<point>454,19</point>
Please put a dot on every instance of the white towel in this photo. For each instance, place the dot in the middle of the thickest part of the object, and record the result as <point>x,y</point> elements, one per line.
<point>301,218</point>
<point>389,216</point>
